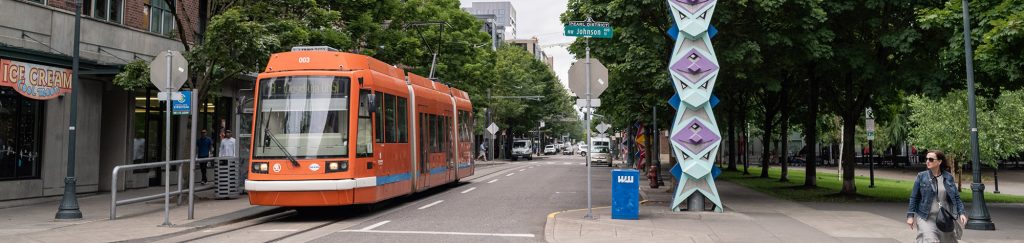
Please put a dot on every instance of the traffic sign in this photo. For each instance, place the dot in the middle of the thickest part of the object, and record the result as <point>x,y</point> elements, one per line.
<point>182,104</point>
<point>589,29</point>
<point>869,126</point>
<point>178,70</point>
<point>601,128</point>
<point>542,124</point>
<point>593,103</point>
<point>493,128</point>
<point>578,76</point>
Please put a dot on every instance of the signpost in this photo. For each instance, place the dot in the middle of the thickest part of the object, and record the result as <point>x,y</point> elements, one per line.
<point>173,67</point>
<point>588,29</point>
<point>869,126</point>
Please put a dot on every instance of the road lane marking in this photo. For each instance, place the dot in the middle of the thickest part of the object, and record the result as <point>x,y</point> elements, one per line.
<point>584,163</point>
<point>551,163</point>
<point>492,181</point>
<point>469,190</point>
<point>279,230</point>
<point>567,163</point>
<point>522,170</point>
<point>531,167</point>
<point>440,233</point>
<point>431,204</point>
<point>374,226</point>
<point>510,174</point>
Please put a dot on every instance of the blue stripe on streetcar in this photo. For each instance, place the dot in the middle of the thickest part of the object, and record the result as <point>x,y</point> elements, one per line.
<point>464,165</point>
<point>381,180</point>
<point>438,170</point>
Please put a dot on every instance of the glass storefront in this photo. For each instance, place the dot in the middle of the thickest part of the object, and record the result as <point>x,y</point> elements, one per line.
<point>21,122</point>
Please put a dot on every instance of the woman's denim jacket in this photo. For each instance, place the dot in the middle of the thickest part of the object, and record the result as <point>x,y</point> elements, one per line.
<point>923,194</point>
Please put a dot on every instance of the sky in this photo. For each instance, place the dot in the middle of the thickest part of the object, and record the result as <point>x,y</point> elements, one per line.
<point>540,18</point>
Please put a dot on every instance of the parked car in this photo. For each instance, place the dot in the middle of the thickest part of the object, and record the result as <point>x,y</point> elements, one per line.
<point>569,150</point>
<point>550,149</point>
<point>583,150</point>
<point>522,149</point>
<point>602,155</point>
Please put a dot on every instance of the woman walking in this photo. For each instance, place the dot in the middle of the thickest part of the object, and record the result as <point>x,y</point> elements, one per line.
<point>934,191</point>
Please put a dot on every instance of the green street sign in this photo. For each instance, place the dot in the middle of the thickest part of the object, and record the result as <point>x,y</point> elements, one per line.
<point>589,29</point>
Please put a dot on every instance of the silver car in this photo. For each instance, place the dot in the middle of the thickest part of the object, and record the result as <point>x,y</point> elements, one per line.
<point>601,156</point>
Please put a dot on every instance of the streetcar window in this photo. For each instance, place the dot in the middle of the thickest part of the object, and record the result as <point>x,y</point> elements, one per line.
<point>390,131</point>
<point>380,117</point>
<point>302,116</point>
<point>364,141</point>
<point>403,120</point>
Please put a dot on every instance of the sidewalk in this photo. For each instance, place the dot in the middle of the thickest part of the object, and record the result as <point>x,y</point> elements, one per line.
<point>1010,181</point>
<point>751,216</point>
<point>35,223</point>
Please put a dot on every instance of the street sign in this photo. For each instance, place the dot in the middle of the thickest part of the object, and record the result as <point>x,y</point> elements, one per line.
<point>588,29</point>
<point>158,71</point>
<point>869,123</point>
<point>542,124</point>
<point>182,103</point>
<point>493,128</point>
<point>869,126</point>
<point>593,103</point>
<point>601,128</point>
<point>578,76</point>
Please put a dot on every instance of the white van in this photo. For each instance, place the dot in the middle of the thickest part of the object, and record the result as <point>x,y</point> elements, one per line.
<point>522,148</point>
<point>601,151</point>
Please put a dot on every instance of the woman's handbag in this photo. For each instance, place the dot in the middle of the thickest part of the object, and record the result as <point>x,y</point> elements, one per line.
<point>945,220</point>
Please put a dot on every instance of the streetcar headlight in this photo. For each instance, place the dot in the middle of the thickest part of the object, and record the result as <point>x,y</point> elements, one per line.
<point>337,166</point>
<point>259,167</point>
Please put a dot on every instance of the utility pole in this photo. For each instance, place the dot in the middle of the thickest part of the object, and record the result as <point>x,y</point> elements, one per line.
<point>69,205</point>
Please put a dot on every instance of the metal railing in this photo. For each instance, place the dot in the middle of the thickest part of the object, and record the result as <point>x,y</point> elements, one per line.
<point>179,163</point>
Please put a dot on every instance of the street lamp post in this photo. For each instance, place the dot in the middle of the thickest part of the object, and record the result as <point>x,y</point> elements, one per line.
<point>979,217</point>
<point>69,205</point>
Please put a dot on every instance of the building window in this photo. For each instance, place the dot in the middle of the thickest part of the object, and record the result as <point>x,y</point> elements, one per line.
<point>161,21</point>
<point>21,136</point>
<point>107,10</point>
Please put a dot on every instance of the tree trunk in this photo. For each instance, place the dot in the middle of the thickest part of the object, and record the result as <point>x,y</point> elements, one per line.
<point>746,142</point>
<point>784,137</point>
<point>732,140</point>
<point>849,129</point>
<point>811,137</point>
<point>766,143</point>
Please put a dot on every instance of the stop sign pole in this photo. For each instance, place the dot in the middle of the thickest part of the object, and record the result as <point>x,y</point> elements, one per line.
<point>588,114</point>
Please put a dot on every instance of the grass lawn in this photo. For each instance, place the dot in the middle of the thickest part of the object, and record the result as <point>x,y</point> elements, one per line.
<point>829,183</point>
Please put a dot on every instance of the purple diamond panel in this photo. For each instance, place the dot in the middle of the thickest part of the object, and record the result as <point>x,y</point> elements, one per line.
<point>694,66</point>
<point>692,6</point>
<point>696,136</point>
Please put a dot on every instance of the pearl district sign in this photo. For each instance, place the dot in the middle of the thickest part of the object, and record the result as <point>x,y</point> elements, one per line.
<point>695,135</point>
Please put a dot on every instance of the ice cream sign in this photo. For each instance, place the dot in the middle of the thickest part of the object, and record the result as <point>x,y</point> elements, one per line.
<point>35,81</point>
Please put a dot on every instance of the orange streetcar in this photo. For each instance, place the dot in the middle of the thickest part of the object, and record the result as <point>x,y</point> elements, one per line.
<point>336,128</point>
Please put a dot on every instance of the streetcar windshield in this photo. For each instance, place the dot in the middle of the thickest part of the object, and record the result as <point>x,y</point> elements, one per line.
<point>302,117</point>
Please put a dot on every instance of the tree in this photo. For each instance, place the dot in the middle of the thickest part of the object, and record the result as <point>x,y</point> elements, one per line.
<point>941,124</point>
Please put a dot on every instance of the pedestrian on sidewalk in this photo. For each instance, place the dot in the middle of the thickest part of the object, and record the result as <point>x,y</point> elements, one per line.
<point>483,152</point>
<point>933,192</point>
<point>203,144</point>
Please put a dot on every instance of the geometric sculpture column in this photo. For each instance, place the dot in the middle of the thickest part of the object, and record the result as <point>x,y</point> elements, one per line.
<point>694,69</point>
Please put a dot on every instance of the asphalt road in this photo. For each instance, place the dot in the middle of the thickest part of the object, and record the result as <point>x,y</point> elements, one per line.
<point>499,203</point>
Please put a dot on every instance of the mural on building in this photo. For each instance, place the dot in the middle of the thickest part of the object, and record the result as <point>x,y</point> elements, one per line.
<point>695,136</point>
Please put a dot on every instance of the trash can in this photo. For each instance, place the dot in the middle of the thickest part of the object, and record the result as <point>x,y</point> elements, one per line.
<point>625,194</point>
<point>227,179</point>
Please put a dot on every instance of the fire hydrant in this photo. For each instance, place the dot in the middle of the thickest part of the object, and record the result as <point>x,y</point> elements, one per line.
<point>652,176</point>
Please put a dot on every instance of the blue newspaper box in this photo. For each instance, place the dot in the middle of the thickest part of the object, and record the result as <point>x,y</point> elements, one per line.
<point>625,194</point>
